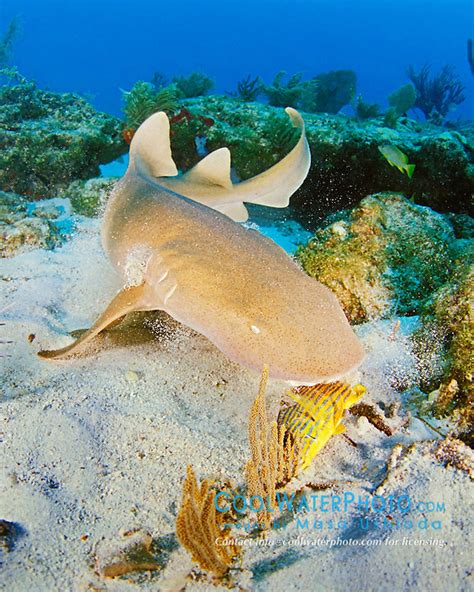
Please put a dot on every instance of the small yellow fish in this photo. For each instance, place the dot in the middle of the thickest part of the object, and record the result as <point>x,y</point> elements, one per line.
<point>395,157</point>
<point>318,412</point>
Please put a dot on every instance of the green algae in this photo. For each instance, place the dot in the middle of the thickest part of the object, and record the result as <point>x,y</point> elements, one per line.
<point>88,198</point>
<point>143,100</point>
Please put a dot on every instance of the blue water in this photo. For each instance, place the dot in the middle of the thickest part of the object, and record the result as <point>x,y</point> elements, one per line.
<point>97,47</point>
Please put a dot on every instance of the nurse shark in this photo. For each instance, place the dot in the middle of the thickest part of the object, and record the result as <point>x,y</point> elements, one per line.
<point>178,245</point>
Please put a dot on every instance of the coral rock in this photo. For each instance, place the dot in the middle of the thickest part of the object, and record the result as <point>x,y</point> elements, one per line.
<point>25,226</point>
<point>50,139</point>
<point>346,162</point>
<point>387,253</point>
<point>89,197</point>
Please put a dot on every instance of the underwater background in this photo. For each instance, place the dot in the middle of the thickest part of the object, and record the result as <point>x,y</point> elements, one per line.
<point>98,47</point>
<point>108,454</point>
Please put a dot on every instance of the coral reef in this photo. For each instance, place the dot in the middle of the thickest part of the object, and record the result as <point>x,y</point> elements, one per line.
<point>194,85</point>
<point>50,139</point>
<point>447,332</point>
<point>25,226</point>
<point>346,163</point>
<point>199,527</point>
<point>385,255</point>
<point>437,95</point>
<point>144,99</point>
<point>328,92</point>
<point>365,110</point>
<point>256,135</point>
<point>284,95</point>
<point>189,132</point>
<point>388,256</point>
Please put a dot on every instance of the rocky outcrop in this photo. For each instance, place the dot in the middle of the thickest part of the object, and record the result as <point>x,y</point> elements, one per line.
<point>346,162</point>
<point>386,256</point>
<point>26,225</point>
<point>390,258</point>
<point>49,139</point>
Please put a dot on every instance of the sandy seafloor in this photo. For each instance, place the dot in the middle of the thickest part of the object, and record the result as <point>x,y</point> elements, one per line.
<point>98,445</point>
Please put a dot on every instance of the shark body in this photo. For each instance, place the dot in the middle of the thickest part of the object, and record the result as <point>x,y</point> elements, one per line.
<point>184,253</point>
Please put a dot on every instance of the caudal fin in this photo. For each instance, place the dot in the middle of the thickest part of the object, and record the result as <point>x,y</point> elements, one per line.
<point>410,169</point>
<point>275,186</point>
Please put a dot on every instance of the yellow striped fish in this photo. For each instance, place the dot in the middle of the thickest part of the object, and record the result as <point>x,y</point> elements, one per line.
<point>318,412</point>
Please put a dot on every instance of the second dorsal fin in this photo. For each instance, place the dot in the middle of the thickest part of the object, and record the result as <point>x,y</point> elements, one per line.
<point>214,169</point>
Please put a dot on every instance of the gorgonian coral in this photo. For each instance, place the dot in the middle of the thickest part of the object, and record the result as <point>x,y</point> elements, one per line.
<point>436,95</point>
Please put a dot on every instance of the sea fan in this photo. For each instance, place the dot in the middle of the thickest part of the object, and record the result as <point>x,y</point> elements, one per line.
<point>248,89</point>
<point>199,527</point>
<point>436,95</point>
<point>275,456</point>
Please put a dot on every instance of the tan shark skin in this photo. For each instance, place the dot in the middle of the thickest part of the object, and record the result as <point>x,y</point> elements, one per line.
<point>272,188</point>
<point>233,285</point>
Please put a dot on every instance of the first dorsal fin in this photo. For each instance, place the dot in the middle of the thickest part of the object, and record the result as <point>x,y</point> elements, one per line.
<point>150,150</point>
<point>214,169</point>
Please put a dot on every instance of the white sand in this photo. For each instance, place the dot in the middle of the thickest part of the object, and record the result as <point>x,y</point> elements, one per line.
<point>98,445</point>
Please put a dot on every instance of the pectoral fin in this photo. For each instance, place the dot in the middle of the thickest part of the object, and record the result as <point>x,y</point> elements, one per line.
<point>127,300</point>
